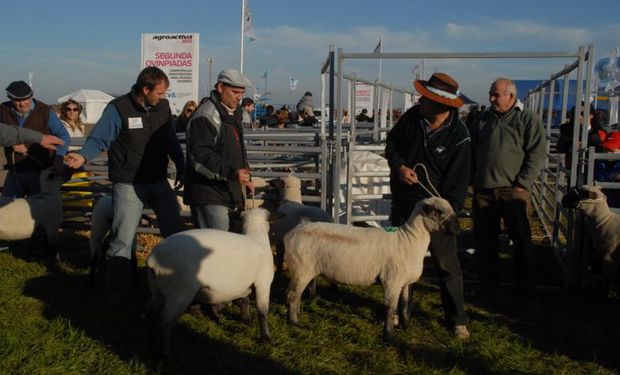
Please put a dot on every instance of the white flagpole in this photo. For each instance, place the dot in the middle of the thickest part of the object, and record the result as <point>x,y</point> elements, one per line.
<point>242,31</point>
<point>380,51</point>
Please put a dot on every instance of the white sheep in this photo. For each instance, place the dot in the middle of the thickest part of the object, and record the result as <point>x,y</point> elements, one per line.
<point>19,218</point>
<point>294,211</point>
<point>359,256</point>
<point>603,226</point>
<point>212,267</point>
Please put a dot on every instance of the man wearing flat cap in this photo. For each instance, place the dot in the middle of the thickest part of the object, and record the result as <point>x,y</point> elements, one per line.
<point>137,131</point>
<point>25,161</point>
<point>217,165</point>
<point>431,135</point>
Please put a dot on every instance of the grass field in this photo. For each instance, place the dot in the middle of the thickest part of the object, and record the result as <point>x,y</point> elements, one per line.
<point>51,322</point>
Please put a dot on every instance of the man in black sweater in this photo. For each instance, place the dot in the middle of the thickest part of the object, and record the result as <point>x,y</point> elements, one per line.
<point>431,135</point>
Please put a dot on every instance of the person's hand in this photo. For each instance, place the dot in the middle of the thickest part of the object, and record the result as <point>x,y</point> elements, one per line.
<point>243,176</point>
<point>250,187</point>
<point>20,149</point>
<point>179,181</point>
<point>407,175</point>
<point>50,142</point>
<point>74,160</point>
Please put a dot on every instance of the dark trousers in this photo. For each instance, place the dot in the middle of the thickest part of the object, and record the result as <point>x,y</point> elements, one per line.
<point>490,206</point>
<point>443,252</point>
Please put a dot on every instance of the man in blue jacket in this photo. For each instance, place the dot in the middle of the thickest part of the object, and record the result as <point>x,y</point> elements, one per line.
<point>138,133</point>
<point>25,161</point>
<point>431,134</point>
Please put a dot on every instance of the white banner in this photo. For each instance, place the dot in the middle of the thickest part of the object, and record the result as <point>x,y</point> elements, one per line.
<point>178,55</point>
<point>364,96</point>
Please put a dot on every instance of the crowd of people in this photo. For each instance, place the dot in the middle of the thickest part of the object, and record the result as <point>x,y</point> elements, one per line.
<point>498,152</point>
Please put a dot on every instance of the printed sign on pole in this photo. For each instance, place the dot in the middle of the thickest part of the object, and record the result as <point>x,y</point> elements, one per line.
<point>178,55</point>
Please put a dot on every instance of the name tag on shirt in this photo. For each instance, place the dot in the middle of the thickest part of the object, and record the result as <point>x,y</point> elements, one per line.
<point>135,122</point>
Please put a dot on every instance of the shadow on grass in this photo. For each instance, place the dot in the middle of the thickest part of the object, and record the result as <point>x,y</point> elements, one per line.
<point>125,332</point>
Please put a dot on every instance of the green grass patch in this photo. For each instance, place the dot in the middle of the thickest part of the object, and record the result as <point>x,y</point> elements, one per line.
<point>51,322</point>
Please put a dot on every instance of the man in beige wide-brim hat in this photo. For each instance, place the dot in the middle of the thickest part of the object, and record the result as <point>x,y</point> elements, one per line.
<point>432,134</point>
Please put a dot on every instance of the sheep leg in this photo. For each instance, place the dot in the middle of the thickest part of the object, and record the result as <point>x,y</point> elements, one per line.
<point>312,288</point>
<point>262,305</point>
<point>170,315</point>
<point>391,301</point>
<point>293,296</point>
<point>244,307</point>
<point>404,306</point>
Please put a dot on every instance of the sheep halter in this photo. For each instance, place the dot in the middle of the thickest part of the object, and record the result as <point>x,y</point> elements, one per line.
<point>434,193</point>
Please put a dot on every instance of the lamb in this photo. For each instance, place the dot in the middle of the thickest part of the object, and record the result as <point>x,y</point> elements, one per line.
<point>603,226</point>
<point>213,267</point>
<point>19,218</point>
<point>293,210</point>
<point>358,256</point>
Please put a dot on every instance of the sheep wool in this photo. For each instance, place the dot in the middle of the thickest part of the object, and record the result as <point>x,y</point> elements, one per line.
<point>359,256</point>
<point>211,266</point>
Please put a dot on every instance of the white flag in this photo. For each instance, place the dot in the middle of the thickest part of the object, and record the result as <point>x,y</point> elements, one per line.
<point>30,76</point>
<point>378,47</point>
<point>416,71</point>
<point>293,83</point>
<point>248,27</point>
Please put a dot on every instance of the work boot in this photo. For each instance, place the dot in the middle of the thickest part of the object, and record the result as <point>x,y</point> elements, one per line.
<point>117,276</point>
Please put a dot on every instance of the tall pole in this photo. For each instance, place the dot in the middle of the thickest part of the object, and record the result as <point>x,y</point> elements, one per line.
<point>242,31</point>
<point>210,61</point>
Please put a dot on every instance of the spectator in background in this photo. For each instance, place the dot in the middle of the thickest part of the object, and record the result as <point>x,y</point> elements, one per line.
<point>218,172</point>
<point>306,117</point>
<point>282,118</point>
<point>363,116</point>
<point>137,131</point>
<point>346,119</point>
<point>186,114</point>
<point>248,106</point>
<point>70,116</point>
<point>25,161</point>
<point>509,148</point>
<point>268,120</point>
<point>304,103</point>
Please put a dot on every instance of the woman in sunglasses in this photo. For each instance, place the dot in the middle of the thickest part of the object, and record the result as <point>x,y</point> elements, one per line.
<point>70,112</point>
<point>183,119</point>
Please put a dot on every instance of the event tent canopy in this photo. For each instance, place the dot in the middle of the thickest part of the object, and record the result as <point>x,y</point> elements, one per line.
<point>93,102</point>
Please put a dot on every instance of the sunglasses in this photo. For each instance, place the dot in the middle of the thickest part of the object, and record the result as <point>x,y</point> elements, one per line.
<point>70,109</point>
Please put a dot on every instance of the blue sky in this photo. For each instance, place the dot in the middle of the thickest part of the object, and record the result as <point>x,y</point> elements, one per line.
<point>86,44</point>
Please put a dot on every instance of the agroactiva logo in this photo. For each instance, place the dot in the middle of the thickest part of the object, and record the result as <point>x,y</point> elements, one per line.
<point>184,37</point>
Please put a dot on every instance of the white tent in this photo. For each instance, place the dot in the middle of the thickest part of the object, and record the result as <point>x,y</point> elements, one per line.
<point>93,102</point>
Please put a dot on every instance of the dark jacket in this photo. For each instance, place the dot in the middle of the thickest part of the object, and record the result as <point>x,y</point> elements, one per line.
<point>445,153</point>
<point>140,152</point>
<point>215,152</point>
<point>37,120</point>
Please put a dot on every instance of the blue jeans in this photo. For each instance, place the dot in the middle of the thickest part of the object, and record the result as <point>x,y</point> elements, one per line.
<point>21,184</point>
<point>211,216</point>
<point>129,200</point>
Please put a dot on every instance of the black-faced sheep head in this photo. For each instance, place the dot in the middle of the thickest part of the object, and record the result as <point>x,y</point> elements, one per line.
<point>438,215</point>
<point>580,194</point>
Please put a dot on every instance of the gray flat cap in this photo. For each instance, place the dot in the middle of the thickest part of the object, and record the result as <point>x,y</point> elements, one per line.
<point>231,77</point>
